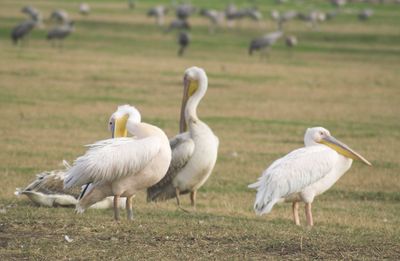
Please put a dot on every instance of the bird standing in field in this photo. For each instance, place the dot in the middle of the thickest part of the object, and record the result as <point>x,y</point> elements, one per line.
<point>159,12</point>
<point>84,9</point>
<point>34,14</point>
<point>48,187</point>
<point>194,150</point>
<point>264,43</point>
<point>59,16</point>
<point>183,41</point>
<point>365,14</point>
<point>214,17</point>
<point>304,173</point>
<point>121,167</point>
<point>60,32</point>
<point>22,30</point>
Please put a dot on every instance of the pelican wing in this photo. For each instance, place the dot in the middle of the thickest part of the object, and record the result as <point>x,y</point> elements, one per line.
<point>50,183</point>
<point>291,174</point>
<point>112,159</point>
<point>182,147</point>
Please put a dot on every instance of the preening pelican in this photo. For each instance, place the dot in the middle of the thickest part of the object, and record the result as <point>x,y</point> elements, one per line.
<point>194,152</point>
<point>120,167</point>
<point>48,188</point>
<point>304,173</point>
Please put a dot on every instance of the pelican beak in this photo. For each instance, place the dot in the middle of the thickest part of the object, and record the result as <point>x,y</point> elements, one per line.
<point>189,88</point>
<point>119,128</point>
<point>343,149</point>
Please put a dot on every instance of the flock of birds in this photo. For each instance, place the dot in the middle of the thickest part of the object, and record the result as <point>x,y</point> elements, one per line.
<point>119,167</point>
<point>62,24</point>
<point>231,15</point>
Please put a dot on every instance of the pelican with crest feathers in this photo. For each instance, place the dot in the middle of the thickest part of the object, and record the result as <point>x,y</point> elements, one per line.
<point>121,167</point>
<point>304,173</point>
<point>48,187</point>
<point>194,149</point>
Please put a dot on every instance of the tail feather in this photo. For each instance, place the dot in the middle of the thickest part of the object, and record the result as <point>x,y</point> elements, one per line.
<point>161,193</point>
<point>265,200</point>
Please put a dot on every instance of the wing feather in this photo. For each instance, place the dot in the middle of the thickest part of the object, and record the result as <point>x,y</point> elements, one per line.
<point>112,159</point>
<point>50,183</point>
<point>182,146</point>
<point>291,174</point>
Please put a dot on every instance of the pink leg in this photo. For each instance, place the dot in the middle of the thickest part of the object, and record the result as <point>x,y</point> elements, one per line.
<point>193,198</point>
<point>116,208</point>
<point>309,215</point>
<point>295,208</point>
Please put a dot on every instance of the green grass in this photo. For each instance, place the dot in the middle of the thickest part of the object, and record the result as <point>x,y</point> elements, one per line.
<point>343,76</point>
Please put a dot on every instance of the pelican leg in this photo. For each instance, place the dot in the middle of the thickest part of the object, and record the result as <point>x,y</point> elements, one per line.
<point>295,208</point>
<point>193,198</point>
<point>309,215</point>
<point>177,193</point>
<point>129,210</point>
<point>116,207</point>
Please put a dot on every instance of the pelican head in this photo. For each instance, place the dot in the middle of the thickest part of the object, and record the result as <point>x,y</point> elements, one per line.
<point>194,88</point>
<point>320,135</point>
<point>119,119</point>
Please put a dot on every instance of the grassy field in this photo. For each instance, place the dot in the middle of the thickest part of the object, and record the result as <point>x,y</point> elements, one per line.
<point>345,77</point>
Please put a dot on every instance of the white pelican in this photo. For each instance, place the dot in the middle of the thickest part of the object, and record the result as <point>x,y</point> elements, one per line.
<point>194,152</point>
<point>120,167</point>
<point>304,173</point>
<point>48,188</point>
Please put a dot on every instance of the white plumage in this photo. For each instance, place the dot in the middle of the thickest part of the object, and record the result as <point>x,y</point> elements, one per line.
<point>112,159</point>
<point>304,173</point>
<point>122,166</point>
<point>194,152</point>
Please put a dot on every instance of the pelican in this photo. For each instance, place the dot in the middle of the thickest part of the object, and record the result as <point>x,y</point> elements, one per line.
<point>120,167</point>
<point>304,173</point>
<point>47,189</point>
<point>194,151</point>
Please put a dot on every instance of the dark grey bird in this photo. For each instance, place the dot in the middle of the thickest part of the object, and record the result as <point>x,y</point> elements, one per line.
<point>60,32</point>
<point>232,14</point>
<point>22,30</point>
<point>179,25</point>
<point>282,18</point>
<point>59,16</point>
<point>263,43</point>
<point>253,14</point>
<point>365,14</point>
<point>213,16</point>
<point>32,12</point>
<point>183,11</point>
<point>159,13</point>
<point>313,18</point>
<point>183,41</point>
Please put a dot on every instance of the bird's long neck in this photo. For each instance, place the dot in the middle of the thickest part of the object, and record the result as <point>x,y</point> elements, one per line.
<point>194,100</point>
